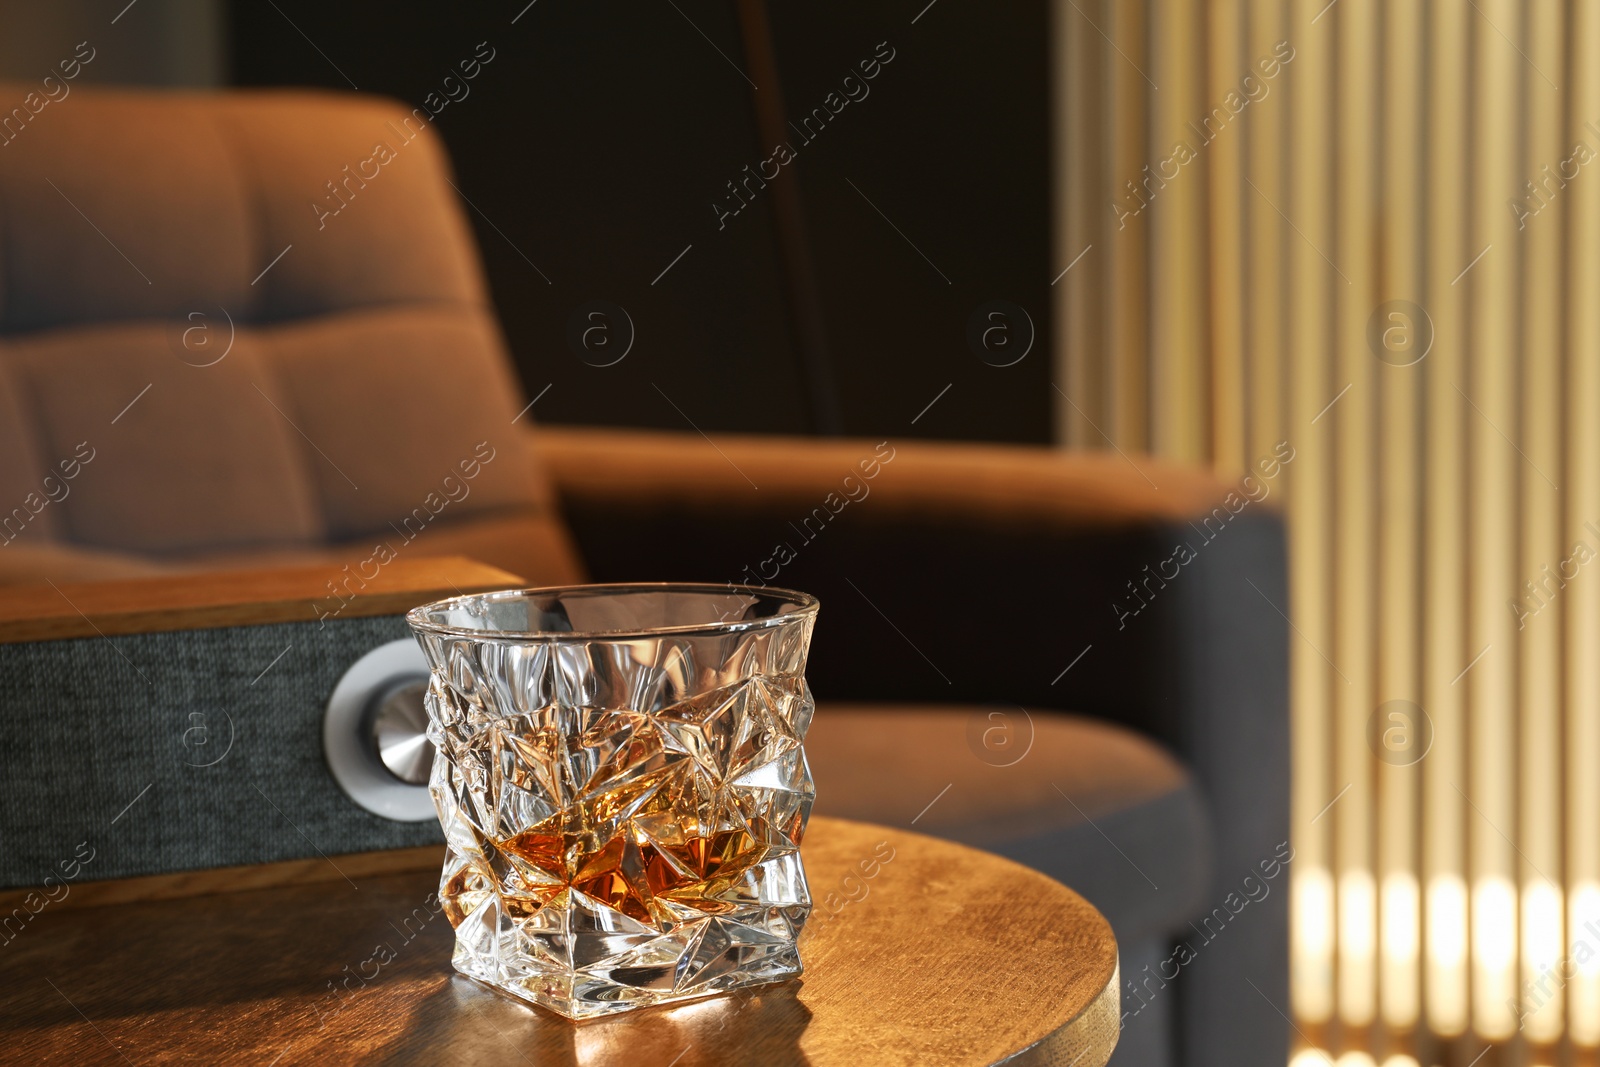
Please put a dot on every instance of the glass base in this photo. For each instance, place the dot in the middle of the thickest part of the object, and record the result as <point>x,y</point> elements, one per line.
<point>580,998</point>
<point>584,959</point>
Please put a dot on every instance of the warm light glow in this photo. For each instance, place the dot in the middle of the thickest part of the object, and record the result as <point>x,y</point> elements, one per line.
<point>1401,934</point>
<point>1357,937</point>
<point>1447,954</point>
<point>1583,990</point>
<point>1494,957</point>
<point>1311,890</point>
<point>1542,959</point>
<point>1316,1058</point>
<point>1307,1057</point>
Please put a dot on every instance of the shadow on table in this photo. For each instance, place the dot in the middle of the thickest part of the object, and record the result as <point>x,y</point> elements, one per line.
<point>760,1026</point>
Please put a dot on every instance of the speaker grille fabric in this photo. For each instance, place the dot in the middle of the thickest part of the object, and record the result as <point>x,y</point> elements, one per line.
<point>107,740</point>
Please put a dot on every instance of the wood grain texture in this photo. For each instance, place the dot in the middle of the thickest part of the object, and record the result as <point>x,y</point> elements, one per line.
<point>937,955</point>
<point>211,880</point>
<point>236,598</point>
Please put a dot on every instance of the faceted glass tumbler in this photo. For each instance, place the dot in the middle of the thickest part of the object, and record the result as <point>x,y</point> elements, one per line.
<point>623,788</point>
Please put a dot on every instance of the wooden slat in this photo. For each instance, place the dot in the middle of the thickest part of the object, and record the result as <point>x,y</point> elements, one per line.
<point>1538,706</point>
<point>1267,135</point>
<point>1311,389</point>
<point>1179,371</point>
<point>1083,222</point>
<point>1445,651</point>
<point>1399,459</point>
<point>1224,236</point>
<point>1492,417</point>
<point>1581,484</point>
<point>1128,298</point>
<point>1354,419</point>
<point>237,598</point>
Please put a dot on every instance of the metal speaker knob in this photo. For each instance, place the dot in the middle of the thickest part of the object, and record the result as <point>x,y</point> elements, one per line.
<point>374,733</point>
<point>397,725</point>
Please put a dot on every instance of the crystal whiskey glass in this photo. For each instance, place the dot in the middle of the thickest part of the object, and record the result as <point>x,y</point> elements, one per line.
<point>623,789</point>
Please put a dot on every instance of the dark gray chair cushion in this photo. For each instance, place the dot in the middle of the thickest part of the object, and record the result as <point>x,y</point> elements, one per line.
<point>1091,804</point>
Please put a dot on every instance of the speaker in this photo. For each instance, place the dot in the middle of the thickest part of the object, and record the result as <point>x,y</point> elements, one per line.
<point>215,720</point>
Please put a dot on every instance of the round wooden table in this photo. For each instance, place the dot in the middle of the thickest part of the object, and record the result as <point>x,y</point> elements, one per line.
<point>919,952</point>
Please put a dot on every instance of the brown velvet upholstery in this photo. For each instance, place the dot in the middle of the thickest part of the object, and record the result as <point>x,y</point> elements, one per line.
<point>1105,767</point>
<point>774,475</point>
<point>361,370</point>
<point>1056,801</point>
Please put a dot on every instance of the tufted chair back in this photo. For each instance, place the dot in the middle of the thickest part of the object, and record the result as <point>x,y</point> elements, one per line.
<point>249,327</point>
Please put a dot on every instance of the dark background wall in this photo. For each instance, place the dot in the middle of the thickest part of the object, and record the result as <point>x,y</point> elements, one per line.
<point>595,143</point>
<point>178,43</point>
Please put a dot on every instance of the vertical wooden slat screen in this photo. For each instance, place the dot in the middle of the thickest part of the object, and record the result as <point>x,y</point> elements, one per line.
<point>1420,169</point>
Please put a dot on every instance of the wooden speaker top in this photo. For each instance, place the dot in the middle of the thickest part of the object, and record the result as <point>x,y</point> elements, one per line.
<point>237,598</point>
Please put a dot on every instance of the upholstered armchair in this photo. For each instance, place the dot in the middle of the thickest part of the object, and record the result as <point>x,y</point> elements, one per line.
<point>203,364</point>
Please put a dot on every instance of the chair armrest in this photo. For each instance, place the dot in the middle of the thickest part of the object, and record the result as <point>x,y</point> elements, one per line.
<point>782,476</point>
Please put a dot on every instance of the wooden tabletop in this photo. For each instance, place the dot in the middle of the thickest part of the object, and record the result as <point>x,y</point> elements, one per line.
<point>919,952</point>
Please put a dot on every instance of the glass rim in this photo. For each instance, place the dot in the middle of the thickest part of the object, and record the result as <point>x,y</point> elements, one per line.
<point>805,606</point>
